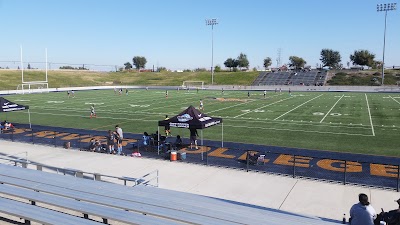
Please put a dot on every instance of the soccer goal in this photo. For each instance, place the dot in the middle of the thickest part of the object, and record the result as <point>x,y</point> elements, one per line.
<point>193,85</point>
<point>29,88</point>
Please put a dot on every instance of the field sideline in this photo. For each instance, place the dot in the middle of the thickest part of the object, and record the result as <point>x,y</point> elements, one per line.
<point>364,123</point>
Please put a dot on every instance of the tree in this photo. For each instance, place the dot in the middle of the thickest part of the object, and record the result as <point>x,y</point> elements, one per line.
<point>230,63</point>
<point>128,66</point>
<point>296,62</point>
<point>267,62</point>
<point>363,58</point>
<point>160,69</point>
<point>330,58</point>
<point>139,62</point>
<point>243,61</point>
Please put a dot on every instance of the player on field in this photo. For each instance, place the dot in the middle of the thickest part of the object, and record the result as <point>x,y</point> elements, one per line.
<point>248,94</point>
<point>290,92</point>
<point>92,112</point>
<point>201,105</point>
<point>68,94</point>
<point>126,91</point>
<point>73,93</point>
<point>222,91</point>
<point>265,93</point>
<point>166,94</point>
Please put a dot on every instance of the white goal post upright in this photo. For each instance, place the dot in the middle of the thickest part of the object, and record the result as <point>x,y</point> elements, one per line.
<point>193,85</point>
<point>33,86</point>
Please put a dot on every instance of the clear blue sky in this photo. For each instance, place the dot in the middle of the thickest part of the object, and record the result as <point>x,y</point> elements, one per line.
<point>173,34</point>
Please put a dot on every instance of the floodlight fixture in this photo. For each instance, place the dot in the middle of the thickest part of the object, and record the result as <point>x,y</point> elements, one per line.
<point>212,22</point>
<point>385,8</point>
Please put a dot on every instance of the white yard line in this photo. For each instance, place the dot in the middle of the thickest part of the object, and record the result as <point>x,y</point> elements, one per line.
<point>298,107</point>
<point>331,109</point>
<point>370,118</point>
<point>305,131</point>
<point>262,107</point>
<point>394,99</point>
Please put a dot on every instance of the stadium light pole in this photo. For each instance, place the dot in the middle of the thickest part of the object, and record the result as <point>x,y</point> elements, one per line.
<point>384,8</point>
<point>212,22</point>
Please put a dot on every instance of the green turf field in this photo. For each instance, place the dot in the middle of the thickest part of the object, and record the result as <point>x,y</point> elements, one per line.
<point>365,123</point>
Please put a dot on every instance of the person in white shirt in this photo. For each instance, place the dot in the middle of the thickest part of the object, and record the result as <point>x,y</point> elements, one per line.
<point>119,137</point>
<point>362,213</point>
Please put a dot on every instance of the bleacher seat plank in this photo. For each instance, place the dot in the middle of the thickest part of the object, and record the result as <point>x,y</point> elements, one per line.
<point>84,207</point>
<point>40,215</point>
<point>146,208</point>
<point>155,202</point>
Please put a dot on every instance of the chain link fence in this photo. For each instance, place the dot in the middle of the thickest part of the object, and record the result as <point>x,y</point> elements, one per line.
<point>347,172</point>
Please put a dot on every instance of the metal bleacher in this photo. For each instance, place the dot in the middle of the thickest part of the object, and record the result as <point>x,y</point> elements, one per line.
<point>307,78</point>
<point>122,204</point>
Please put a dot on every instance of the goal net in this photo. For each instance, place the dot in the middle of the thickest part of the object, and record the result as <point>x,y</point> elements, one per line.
<point>29,88</point>
<point>193,85</point>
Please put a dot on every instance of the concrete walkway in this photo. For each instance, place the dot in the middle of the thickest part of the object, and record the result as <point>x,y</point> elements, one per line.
<point>294,195</point>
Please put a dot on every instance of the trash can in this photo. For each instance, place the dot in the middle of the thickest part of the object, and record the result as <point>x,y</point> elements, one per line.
<point>173,156</point>
<point>181,155</point>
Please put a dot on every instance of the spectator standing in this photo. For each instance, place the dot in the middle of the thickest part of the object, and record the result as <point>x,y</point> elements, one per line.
<point>110,141</point>
<point>119,137</point>
<point>146,140</point>
<point>167,128</point>
<point>193,137</point>
<point>362,213</point>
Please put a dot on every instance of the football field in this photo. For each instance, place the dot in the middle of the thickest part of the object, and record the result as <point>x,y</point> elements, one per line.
<point>364,123</point>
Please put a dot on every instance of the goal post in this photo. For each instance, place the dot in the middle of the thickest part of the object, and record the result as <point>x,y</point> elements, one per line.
<point>193,85</point>
<point>29,88</point>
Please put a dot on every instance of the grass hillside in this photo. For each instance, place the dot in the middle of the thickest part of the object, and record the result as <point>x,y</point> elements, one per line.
<point>9,79</point>
<point>364,78</point>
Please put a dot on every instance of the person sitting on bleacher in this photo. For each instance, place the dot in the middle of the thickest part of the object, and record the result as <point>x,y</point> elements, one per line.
<point>92,145</point>
<point>98,147</point>
<point>178,142</point>
<point>6,126</point>
<point>1,127</point>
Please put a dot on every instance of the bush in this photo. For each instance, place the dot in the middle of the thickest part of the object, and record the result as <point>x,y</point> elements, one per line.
<point>200,70</point>
<point>217,68</point>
